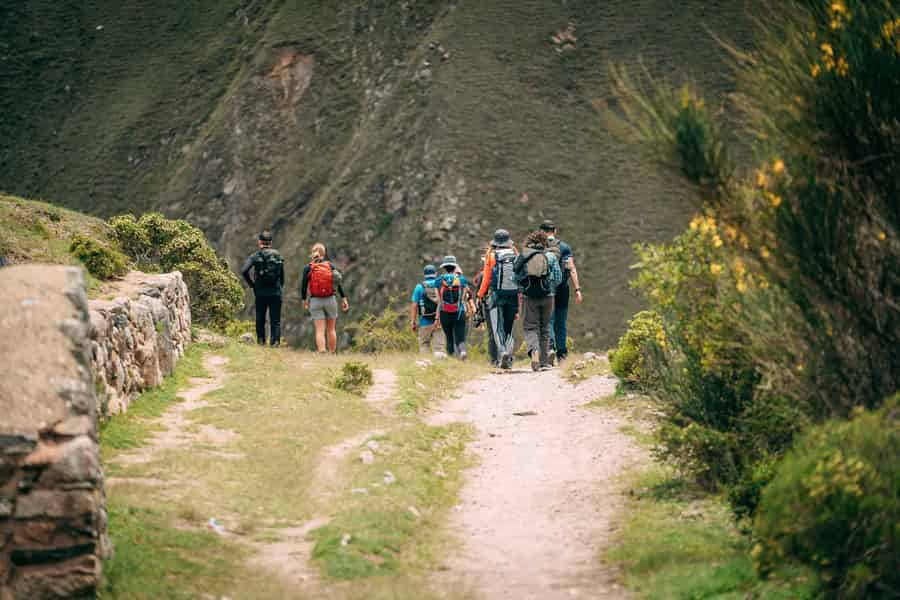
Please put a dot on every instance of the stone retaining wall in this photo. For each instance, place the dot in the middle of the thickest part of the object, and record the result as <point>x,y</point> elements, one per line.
<point>137,338</point>
<point>60,354</point>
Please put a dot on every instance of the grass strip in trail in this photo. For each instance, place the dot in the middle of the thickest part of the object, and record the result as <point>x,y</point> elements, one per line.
<point>678,543</point>
<point>386,532</point>
<point>135,427</point>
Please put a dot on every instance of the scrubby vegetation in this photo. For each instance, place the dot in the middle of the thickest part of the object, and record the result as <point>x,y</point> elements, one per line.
<point>383,332</point>
<point>780,302</point>
<point>628,359</point>
<point>155,243</point>
<point>355,377</point>
<point>101,260</point>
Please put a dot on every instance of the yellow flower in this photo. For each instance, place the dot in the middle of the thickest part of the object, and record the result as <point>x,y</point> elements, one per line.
<point>762,180</point>
<point>827,49</point>
<point>882,236</point>
<point>842,67</point>
<point>764,252</point>
<point>730,233</point>
<point>839,8</point>
<point>741,287</point>
<point>717,241</point>
<point>778,167</point>
<point>800,367</point>
<point>739,267</point>
<point>815,70</point>
<point>764,284</point>
<point>715,268</point>
<point>695,222</point>
<point>774,199</point>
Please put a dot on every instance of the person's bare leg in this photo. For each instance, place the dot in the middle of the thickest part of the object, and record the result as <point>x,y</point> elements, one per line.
<point>320,335</point>
<point>332,335</point>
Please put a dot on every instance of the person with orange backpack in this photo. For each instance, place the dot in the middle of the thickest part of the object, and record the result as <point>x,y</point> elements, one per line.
<point>318,288</point>
<point>452,306</point>
<point>499,294</point>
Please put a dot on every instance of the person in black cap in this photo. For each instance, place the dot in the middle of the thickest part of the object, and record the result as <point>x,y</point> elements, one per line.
<point>559,320</point>
<point>267,283</point>
<point>499,292</point>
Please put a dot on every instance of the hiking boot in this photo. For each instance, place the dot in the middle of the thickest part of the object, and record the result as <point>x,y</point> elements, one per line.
<point>551,357</point>
<point>535,364</point>
<point>463,355</point>
<point>506,361</point>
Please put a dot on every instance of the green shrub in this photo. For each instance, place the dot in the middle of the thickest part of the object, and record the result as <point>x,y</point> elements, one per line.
<point>355,377</point>
<point>236,328</point>
<point>630,360</point>
<point>834,505</point>
<point>780,302</point>
<point>101,261</point>
<point>155,243</point>
<point>387,332</point>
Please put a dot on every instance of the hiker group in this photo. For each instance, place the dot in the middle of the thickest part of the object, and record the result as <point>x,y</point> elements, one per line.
<point>535,283</point>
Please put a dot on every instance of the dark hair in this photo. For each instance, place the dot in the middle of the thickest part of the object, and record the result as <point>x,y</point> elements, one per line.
<point>265,236</point>
<point>535,239</point>
<point>450,268</point>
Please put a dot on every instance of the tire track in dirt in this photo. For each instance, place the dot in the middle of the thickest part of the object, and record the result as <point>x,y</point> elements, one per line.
<point>537,511</point>
<point>175,434</point>
<point>290,557</point>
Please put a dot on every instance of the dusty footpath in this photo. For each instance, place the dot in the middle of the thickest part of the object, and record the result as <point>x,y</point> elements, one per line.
<point>538,509</point>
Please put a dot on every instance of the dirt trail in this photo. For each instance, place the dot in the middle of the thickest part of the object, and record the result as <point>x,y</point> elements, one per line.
<point>289,556</point>
<point>176,423</point>
<point>537,511</point>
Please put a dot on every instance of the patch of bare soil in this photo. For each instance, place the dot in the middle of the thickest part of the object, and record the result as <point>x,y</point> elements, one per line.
<point>289,556</point>
<point>176,423</point>
<point>537,511</point>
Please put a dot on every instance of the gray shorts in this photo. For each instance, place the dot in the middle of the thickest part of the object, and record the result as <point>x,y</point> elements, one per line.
<point>323,308</point>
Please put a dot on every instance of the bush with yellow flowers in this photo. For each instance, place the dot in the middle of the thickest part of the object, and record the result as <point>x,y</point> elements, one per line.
<point>781,302</point>
<point>834,505</point>
<point>631,360</point>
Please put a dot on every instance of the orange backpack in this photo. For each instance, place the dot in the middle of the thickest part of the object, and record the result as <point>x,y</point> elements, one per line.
<point>321,279</point>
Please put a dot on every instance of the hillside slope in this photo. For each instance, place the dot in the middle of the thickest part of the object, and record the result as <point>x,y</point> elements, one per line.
<point>396,131</point>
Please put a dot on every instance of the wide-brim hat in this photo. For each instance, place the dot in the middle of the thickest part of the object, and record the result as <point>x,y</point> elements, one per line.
<point>502,239</point>
<point>449,261</point>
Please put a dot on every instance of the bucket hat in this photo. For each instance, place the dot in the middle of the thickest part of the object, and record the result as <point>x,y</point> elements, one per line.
<point>501,239</point>
<point>449,261</point>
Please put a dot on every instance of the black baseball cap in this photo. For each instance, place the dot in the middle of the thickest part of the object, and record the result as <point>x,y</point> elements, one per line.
<point>265,236</point>
<point>548,225</point>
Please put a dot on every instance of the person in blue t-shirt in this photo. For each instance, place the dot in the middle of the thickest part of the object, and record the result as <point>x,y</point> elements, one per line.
<point>452,286</point>
<point>559,320</point>
<point>423,311</point>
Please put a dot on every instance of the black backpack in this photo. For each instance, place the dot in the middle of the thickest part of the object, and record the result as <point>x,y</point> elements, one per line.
<point>428,307</point>
<point>267,267</point>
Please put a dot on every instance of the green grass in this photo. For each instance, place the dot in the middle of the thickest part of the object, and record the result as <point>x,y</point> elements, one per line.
<point>133,428</point>
<point>153,559</point>
<point>386,534</point>
<point>589,369</point>
<point>286,411</point>
<point>677,543</point>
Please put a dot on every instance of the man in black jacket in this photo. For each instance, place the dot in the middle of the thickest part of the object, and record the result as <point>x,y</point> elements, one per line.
<point>267,283</point>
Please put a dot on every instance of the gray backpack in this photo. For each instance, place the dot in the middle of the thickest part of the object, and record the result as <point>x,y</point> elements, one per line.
<point>503,279</point>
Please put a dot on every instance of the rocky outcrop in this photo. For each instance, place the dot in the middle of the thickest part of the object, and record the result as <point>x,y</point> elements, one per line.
<point>137,338</point>
<point>52,515</point>
<point>65,362</point>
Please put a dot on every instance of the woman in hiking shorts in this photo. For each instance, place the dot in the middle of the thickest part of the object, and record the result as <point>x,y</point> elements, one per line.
<point>319,288</point>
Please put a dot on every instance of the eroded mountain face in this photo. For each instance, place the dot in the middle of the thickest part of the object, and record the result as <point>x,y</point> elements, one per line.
<point>394,131</point>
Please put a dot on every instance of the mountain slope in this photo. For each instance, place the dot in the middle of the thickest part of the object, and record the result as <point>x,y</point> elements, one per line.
<point>396,131</point>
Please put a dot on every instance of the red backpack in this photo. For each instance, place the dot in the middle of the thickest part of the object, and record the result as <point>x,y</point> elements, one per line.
<point>451,295</point>
<point>321,279</point>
